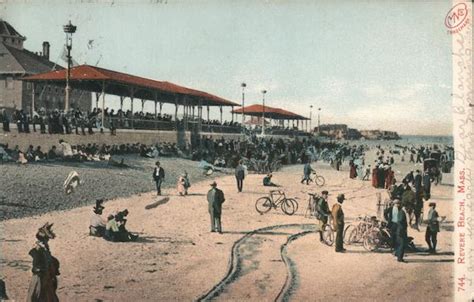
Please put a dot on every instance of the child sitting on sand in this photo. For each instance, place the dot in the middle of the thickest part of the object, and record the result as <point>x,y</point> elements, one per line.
<point>267,181</point>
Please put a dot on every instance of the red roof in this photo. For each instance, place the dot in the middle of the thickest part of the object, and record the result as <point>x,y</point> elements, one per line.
<point>91,78</point>
<point>270,112</point>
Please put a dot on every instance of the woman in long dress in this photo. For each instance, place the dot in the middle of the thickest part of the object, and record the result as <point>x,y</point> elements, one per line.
<point>44,282</point>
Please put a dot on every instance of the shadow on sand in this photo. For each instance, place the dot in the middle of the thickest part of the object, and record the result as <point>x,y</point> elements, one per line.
<point>429,261</point>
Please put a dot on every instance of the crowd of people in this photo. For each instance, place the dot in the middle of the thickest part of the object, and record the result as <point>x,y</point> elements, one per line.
<point>397,215</point>
<point>86,122</point>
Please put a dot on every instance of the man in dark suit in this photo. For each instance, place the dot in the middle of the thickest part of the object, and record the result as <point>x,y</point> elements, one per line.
<point>322,212</point>
<point>338,223</point>
<point>239,176</point>
<point>409,178</point>
<point>418,196</point>
<point>401,232</point>
<point>307,172</point>
<point>215,199</point>
<point>427,185</point>
<point>158,177</point>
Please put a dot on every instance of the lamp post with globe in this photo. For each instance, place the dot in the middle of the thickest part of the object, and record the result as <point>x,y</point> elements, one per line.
<point>69,29</point>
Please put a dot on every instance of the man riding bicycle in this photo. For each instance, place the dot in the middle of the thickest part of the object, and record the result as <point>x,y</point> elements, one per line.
<point>322,212</point>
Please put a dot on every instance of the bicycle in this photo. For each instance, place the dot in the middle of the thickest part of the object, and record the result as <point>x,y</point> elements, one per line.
<point>312,204</point>
<point>318,179</point>
<point>328,232</point>
<point>354,232</point>
<point>288,205</point>
<point>377,237</point>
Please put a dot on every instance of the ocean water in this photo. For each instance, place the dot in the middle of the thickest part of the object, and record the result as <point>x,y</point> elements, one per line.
<point>425,140</point>
<point>407,140</point>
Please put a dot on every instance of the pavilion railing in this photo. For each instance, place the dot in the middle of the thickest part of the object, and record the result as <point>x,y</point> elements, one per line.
<point>171,125</point>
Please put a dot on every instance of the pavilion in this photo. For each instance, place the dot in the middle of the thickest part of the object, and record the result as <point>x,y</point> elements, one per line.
<point>272,113</point>
<point>103,81</point>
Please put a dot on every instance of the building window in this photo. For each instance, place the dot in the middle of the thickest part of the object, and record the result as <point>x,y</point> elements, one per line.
<point>9,83</point>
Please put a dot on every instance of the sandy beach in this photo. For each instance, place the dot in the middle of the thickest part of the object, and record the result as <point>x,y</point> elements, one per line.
<point>257,258</point>
<point>37,188</point>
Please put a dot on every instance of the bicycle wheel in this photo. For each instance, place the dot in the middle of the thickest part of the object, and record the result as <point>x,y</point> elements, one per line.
<point>263,205</point>
<point>347,233</point>
<point>328,235</point>
<point>371,240</point>
<point>354,236</point>
<point>295,203</point>
<point>319,180</point>
<point>288,206</point>
<point>386,238</point>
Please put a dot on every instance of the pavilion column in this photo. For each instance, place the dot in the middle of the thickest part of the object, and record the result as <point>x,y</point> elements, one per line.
<point>132,91</point>
<point>176,109</point>
<point>97,96</point>
<point>208,114</point>
<point>103,105</point>
<point>193,112</point>
<point>155,99</point>
<point>221,113</point>
<point>200,116</point>
<point>143,105</point>
<point>161,107</point>
<point>121,103</point>
<point>232,114</point>
<point>185,117</point>
<point>32,100</point>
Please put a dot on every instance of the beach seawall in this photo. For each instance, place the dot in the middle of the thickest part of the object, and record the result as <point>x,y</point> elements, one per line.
<point>123,136</point>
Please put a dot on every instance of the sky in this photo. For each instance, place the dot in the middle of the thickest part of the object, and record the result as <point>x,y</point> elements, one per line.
<point>372,65</point>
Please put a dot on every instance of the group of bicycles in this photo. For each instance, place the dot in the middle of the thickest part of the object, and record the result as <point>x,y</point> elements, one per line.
<point>371,232</point>
<point>277,199</point>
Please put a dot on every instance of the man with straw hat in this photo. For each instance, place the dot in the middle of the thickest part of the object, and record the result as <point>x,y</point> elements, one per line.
<point>338,223</point>
<point>215,198</point>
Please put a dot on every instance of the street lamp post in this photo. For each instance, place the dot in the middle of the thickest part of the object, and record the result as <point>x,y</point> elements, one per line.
<point>263,112</point>
<point>69,29</point>
<point>310,117</point>
<point>319,126</point>
<point>243,85</point>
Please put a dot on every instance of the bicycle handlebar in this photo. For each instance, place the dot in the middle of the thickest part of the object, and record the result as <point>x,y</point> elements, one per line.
<point>277,191</point>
